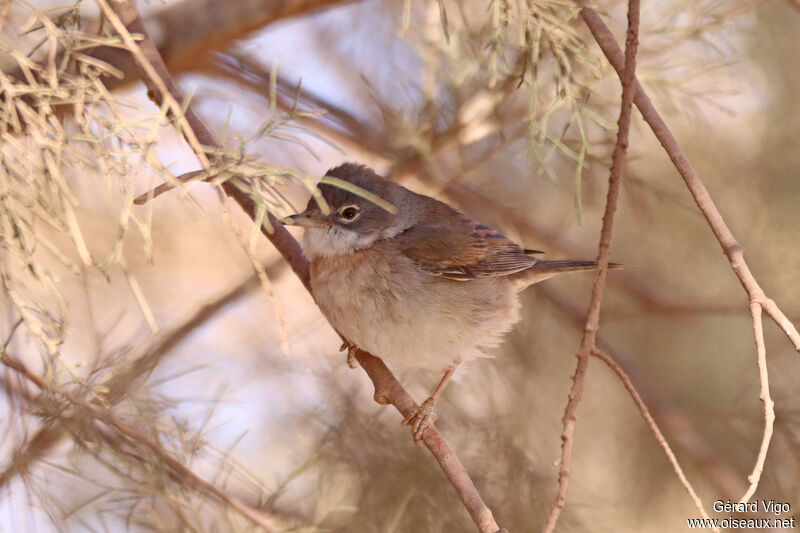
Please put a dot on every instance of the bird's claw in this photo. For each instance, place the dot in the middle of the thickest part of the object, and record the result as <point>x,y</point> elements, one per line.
<point>421,419</point>
<point>352,362</point>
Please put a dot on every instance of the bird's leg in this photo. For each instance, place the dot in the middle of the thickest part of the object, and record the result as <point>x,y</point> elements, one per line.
<point>351,352</point>
<point>425,415</point>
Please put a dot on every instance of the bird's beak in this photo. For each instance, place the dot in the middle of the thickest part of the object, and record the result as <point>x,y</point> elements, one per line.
<point>305,221</point>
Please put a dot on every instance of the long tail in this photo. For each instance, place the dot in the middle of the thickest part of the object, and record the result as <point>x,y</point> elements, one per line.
<point>543,270</point>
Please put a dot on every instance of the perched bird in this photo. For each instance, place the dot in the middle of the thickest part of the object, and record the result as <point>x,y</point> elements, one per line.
<point>415,282</point>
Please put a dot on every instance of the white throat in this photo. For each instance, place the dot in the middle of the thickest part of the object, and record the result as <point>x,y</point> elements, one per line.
<point>328,242</point>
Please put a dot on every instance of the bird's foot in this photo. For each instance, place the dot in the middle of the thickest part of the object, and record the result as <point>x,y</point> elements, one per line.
<point>421,419</point>
<point>351,348</point>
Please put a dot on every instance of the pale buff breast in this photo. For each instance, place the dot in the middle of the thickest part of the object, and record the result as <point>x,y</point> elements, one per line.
<point>383,303</point>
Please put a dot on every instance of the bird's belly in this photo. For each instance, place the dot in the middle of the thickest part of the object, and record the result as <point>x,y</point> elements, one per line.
<point>389,307</point>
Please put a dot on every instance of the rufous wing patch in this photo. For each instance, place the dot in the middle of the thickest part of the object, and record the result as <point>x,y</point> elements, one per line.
<point>455,247</point>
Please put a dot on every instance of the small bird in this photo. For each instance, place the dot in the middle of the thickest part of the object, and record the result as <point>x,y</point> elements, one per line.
<point>415,282</point>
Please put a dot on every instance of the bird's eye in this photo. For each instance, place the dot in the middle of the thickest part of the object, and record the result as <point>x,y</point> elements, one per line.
<point>349,213</point>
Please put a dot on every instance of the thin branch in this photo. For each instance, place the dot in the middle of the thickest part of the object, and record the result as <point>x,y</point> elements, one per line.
<point>648,418</point>
<point>680,429</point>
<point>184,179</point>
<point>769,405</point>
<point>604,251</point>
<point>387,388</point>
<point>733,250</point>
<point>177,469</point>
<point>250,73</point>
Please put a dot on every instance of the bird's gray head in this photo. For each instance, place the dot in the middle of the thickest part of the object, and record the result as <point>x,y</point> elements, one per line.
<point>353,222</point>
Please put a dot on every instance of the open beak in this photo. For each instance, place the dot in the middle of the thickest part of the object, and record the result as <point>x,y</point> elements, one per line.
<point>303,220</point>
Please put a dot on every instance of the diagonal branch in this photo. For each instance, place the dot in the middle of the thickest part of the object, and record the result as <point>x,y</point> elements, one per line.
<point>651,423</point>
<point>604,251</point>
<point>125,18</point>
<point>730,246</point>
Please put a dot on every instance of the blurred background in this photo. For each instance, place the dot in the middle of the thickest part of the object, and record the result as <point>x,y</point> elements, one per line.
<point>505,110</point>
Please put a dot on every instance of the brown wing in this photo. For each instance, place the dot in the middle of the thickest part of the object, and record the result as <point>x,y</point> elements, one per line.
<point>448,244</point>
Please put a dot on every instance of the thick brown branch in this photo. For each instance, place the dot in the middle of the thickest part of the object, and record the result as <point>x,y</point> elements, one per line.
<point>388,389</point>
<point>603,254</point>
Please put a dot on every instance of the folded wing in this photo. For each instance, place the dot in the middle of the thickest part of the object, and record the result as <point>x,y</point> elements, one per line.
<point>450,245</point>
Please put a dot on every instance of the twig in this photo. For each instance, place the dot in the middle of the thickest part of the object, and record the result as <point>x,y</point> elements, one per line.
<point>733,250</point>
<point>769,410</point>
<point>648,418</point>
<point>183,179</point>
<point>177,469</point>
<point>604,251</point>
<point>388,389</point>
